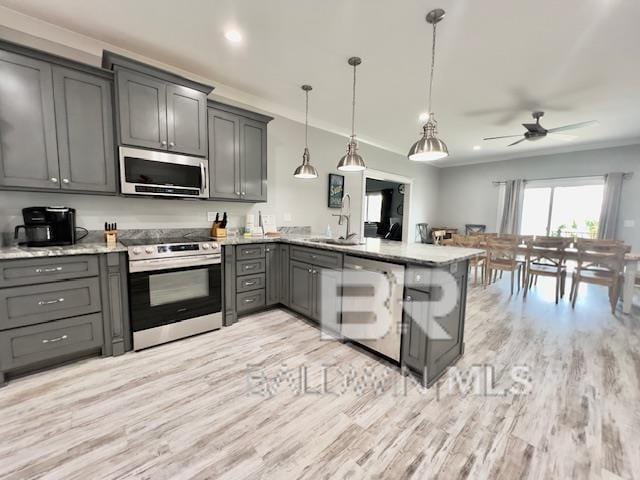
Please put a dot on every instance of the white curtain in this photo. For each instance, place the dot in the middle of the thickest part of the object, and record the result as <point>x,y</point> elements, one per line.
<point>512,207</point>
<point>608,225</point>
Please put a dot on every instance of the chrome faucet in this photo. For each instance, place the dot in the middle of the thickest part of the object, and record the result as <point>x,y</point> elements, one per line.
<point>345,216</point>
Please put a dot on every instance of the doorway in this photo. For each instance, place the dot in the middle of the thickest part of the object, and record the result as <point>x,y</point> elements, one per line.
<point>385,206</point>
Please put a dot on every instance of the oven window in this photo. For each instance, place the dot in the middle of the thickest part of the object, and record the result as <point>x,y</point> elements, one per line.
<point>142,171</point>
<point>178,286</point>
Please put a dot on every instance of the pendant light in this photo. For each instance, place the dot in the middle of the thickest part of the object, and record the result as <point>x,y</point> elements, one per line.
<point>352,161</point>
<point>306,170</point>
<point>430,147</point>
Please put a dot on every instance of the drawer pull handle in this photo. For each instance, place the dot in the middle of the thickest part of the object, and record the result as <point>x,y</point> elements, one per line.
<point>250,267</point>
<point>57,339</point>
<point>248,284</point>
<point>249,300</point>
<point>48,270</point>
<point>50,302</point>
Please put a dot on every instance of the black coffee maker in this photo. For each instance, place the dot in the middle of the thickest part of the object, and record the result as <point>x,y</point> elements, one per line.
<point>48,226</point>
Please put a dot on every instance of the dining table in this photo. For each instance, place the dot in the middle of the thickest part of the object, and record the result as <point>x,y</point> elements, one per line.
<point>631,260</point>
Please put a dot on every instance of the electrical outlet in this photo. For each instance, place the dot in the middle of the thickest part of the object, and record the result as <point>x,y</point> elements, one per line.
<point>629,223</point>
<point>211,216</point>
<point>286,217</point>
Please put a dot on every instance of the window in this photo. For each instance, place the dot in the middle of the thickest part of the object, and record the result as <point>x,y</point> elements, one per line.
<point>563,207</point>
<point>373,207</point>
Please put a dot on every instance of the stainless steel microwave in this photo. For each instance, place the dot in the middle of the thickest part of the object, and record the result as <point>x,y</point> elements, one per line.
<point>149,172</point>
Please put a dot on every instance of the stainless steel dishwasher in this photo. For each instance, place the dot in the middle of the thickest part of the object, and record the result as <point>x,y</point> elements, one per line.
<point>372,295</point>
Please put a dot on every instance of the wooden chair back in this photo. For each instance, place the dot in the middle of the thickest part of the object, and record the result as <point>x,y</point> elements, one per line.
<point>438,236</point>
<point>606,256</point>
<point>548,251</point>
<point>502,250</point>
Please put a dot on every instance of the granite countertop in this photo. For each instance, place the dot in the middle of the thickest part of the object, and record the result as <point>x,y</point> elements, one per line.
<point>81,248</point>
<point>416,253</point>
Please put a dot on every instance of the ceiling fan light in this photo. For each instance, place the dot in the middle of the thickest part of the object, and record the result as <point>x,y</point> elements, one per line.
<point>352,161</point>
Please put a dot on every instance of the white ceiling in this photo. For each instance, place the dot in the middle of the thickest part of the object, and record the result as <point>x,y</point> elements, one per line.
<point>497,61</point>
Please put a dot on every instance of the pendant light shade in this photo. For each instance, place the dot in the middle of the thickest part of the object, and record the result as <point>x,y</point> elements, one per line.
<point>306,170</point>
<point>352,161</point>
<point>430,147</point>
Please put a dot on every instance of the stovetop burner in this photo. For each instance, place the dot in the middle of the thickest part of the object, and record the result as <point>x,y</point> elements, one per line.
<point>132,242</point>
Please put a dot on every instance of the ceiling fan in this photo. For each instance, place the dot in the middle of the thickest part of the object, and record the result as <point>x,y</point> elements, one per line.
<point>535,131</point>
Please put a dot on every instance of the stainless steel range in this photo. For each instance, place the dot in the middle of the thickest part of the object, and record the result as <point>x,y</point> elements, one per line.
<point>175,288</point>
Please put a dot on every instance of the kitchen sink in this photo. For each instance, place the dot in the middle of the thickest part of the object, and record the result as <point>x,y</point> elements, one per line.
<point>336,241</point>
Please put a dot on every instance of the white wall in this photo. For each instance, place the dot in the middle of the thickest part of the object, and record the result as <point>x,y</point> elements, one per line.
<point>304,200</point>
<point>467,195</point>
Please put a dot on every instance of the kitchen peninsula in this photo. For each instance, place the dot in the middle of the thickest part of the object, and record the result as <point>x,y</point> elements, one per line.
<point>289,271</point>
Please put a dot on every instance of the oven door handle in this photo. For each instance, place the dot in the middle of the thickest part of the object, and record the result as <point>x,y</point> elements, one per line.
<point>172,263</point>
<point>203,178</point>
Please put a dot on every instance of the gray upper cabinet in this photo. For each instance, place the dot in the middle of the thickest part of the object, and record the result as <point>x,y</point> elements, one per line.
<point>142,102</point>
<point>186,120</point>
<point>84,122</point>
<point>224,148</point>
<point>159,109</point>
<point>237,153</point>
<point>28,148</point>
<point>253,160</point>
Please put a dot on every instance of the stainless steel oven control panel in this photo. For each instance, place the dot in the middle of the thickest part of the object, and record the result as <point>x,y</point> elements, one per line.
<point>170,250</point>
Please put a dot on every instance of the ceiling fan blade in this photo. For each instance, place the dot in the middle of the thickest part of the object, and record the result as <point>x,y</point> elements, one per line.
<point>505,136</point>
<point>564,136</point>
<point>516,142</point>
<point>573,125</point>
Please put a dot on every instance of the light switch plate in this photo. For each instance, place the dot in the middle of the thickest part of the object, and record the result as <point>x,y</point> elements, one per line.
<point>629,223</point>
<point>211,216</point>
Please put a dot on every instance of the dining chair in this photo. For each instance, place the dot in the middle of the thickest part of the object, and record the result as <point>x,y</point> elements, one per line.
<point>545,257</point>
<point>479,262</point>
<point>600,262</point>
<point>438,236</point>
<point>502,257</point>
<point>471,228</point>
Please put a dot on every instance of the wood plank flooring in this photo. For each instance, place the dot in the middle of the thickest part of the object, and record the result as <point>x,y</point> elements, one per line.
<point>199,409</point>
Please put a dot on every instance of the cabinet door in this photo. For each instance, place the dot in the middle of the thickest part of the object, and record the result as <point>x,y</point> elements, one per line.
<point>273,274</point>
<point>327,303</point>
<point>84,124</point>
<point>28,149</point>
<point>414,341</point>
<point>253,160</point>
<point>301,288</point>
<point>224,155</point>
<point>186,120</point>
<point>142,102</point>
<point>284,274</point>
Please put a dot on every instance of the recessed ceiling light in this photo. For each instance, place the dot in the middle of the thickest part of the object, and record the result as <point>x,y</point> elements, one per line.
<point>477,147</point>
<point>424,116</point>
<point>233,36</point>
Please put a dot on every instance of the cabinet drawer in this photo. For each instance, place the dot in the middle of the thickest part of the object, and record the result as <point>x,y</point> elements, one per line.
<point>245,252</point>
<point>26,345</point>
<point>322,258</point>
<point>250,282</point>
<point>47,269</point>
<point>21,306</point>
<point>246,267</point>
<point>250,300</point>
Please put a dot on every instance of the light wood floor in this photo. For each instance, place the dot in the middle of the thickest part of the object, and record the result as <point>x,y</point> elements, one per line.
<point>187,409</point>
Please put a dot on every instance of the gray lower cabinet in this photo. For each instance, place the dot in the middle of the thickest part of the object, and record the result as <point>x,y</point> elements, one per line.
<point>301,288</point>
<point>56,125</point>
<point>84,123</point>
<point>229,279</point>
<point>273,274</point>
<point>28,146</point>
<point>55,309</point>
<point>426,356</point>
<point>284,274</point>
<point>237,154</point>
